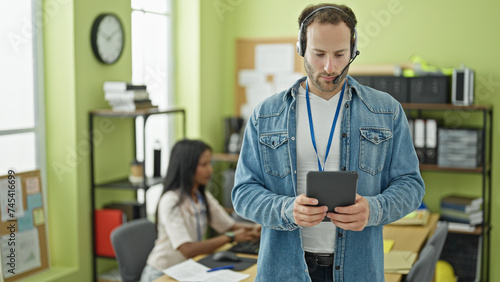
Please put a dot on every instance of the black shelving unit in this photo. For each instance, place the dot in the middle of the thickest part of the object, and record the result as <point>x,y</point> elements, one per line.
<point>124,184</point>
<point>484,169</point>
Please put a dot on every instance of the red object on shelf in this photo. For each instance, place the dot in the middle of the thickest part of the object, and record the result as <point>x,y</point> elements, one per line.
<point>105,221</point>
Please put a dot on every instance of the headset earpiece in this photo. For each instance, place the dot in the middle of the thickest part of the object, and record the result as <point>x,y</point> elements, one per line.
<point>355,51</point>
<point>300,48</point>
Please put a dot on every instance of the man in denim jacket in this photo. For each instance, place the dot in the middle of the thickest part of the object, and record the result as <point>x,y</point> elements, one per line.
<point>370,136</point>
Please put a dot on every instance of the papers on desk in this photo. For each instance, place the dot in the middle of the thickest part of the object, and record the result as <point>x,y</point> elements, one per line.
<point>388,243</point>
<point>417,217</point>
<point>191,270</point>
<point>399,261</point>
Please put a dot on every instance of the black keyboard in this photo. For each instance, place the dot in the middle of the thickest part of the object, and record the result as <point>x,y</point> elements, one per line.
<point>247,247</point>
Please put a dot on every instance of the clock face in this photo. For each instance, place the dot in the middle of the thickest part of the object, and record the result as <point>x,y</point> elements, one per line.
<point>107,38</point>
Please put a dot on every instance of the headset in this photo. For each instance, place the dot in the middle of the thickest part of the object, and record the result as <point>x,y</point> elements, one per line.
<point>301,46</point>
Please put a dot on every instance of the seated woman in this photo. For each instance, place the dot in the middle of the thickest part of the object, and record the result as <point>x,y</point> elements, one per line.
<point>186,208</point>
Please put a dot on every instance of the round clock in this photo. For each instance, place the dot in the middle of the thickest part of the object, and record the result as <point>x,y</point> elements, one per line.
<point>107,38</point>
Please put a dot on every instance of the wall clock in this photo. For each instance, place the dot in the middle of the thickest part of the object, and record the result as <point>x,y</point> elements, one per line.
<point>107,38</point>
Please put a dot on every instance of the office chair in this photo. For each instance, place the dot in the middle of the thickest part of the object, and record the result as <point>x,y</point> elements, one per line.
<point>423,269</point>
<point>436,241</point>
<point>439,237</point>
<point>132,242</point>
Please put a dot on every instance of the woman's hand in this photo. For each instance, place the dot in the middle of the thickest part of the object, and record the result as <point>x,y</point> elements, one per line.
<point>246,230</point>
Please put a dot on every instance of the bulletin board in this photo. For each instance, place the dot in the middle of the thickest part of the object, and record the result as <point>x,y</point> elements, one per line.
<point>245,59</point>
<point>23,236</point>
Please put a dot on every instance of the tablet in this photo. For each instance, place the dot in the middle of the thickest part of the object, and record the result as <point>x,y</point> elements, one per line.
<point>332,188</point>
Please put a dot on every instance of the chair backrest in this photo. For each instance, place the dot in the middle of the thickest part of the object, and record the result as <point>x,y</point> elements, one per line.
<point>425,266</point>
<point>423,269</point>
<point>132,242</point>
<point>439,237</point>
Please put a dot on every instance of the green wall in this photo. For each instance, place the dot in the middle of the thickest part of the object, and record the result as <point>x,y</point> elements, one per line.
<point>443,32</point>
<point>73,87</point>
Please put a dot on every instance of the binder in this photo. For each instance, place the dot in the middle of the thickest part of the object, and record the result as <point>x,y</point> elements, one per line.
<point>105,221</point>
<point>412,128</point>
<point>431,141</point>
<point>419,141</point>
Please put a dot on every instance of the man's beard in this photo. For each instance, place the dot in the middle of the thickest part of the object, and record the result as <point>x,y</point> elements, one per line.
<point>315,79</point>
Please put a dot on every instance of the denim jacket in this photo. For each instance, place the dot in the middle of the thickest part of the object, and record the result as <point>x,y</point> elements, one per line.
<point>375,142</point>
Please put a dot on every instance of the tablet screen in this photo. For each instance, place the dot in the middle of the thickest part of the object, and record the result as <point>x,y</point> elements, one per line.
<point>332,188</point>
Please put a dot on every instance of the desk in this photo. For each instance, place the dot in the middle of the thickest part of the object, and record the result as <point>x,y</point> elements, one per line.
<point>409,238</point>
<point>252,270</point>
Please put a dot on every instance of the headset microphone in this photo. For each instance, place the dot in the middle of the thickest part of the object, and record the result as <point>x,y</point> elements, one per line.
<point>336,80</point>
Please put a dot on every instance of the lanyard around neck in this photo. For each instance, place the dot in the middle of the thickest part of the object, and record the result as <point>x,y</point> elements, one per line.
<point>311,127</point>
<point>198,215</point>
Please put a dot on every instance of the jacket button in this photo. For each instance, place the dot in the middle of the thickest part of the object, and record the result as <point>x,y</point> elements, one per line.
<point>347,105</point>
<point>343,168</point>
<point>344,135</point>
<point>340,234</point>
<point>293,138</point>
<point>337,267</point>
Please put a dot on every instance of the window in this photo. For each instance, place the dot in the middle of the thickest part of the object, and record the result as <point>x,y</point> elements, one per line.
<point>152,65</point>
<point>21,96</point>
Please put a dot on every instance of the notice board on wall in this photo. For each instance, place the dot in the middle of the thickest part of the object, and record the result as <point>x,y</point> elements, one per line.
<point>264,66</point>
<point>23,236</point>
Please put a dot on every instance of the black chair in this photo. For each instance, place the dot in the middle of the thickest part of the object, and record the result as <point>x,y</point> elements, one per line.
<point>132,242</point>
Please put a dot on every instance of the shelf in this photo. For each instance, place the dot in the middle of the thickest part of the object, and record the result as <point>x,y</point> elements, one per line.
<point>477,231</point>
<point>412,106</point>
<point>136,113</point>
<point>484,169</point>
<point>126,184</point>
<point>433,167</point>
<point>140,115</point>
<point>104,257</point>
<point>222,157</point>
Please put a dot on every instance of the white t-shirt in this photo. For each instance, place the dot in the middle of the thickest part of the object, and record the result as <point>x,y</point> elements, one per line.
<point>178,225</point>
<point>320,238</point>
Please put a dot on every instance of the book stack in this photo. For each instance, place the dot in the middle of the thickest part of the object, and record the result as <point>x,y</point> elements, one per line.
<point>462,209</point>
<point>127,97</point>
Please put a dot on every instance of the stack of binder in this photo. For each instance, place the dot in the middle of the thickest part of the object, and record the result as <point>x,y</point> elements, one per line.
<point>460,148</point>
<point>462,209</point>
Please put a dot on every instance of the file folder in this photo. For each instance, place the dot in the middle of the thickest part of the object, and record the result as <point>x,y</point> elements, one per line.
<point>431,141</point>
<point>419,139</point>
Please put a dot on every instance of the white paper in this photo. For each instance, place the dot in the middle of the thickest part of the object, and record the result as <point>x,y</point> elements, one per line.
<point>13,207</point>
<point>275,58</point>
<point>256,93</point>
<point>248,77</point>
<point>27,251</point>
<point>225,276</point>
<point>283,81</point>
<point>191,270</point>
